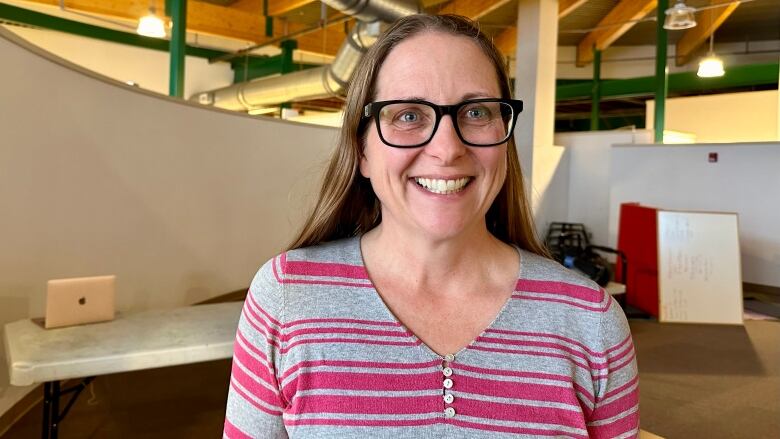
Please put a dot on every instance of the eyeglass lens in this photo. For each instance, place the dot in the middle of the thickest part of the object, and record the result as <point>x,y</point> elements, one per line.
<point>479,123</point>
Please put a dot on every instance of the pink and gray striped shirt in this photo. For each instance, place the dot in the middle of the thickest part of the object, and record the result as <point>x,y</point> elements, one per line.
<point>319,355</point>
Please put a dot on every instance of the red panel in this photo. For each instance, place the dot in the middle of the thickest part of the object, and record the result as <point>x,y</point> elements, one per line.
<point>637,238</point>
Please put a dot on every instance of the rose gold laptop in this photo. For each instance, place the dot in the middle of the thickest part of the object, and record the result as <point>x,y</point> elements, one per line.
<point>79,300</point>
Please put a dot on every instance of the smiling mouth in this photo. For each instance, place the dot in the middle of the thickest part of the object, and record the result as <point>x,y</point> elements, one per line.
<point>443,187</point>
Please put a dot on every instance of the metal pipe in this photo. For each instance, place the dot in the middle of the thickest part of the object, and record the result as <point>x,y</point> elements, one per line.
<point>321,82</point>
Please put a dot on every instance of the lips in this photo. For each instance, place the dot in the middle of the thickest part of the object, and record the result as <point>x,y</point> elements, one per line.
<point>443,186</point>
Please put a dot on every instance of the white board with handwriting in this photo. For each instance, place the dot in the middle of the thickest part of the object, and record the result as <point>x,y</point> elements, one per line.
<point>699,268</point>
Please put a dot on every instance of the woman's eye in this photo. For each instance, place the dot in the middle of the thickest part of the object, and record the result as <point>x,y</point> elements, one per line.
<point>408,116</point>
<point>477,113</point>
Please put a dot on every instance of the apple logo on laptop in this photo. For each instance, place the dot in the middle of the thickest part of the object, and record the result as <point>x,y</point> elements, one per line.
<point>82,300</point>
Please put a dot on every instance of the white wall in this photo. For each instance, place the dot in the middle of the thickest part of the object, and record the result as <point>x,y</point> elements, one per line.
<point>181,202</point>
<point>728,117</point>
<point>587,195</point>
<point>146,67</point>
<point>745,180</point>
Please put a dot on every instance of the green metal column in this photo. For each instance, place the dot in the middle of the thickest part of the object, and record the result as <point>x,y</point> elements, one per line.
<point>595,96</point>
<point>661,71</point>
<point>177,9</point>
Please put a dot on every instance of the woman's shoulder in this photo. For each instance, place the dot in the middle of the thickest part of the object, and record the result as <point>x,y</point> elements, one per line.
<point>333,259</point>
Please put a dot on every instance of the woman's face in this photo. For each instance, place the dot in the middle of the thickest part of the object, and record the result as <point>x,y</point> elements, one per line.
<point>443,69</point>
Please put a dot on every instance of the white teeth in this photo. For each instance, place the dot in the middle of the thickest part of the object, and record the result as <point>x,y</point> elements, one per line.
<point>438,186</point>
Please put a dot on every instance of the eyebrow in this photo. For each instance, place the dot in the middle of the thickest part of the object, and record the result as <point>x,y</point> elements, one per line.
<point>466,96</point>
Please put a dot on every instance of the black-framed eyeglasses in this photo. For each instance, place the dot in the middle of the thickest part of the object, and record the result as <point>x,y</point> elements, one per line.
<point>413,123</point>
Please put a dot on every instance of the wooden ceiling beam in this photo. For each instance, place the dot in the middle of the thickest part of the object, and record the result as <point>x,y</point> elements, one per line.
<point>324,41</point>
<point>281,7</point>
<point>566,7</point>
<point>473,9</point>
<point>616,23</point>
<point>708,21</point>
<point>230,22</point>
<point>506,41</point>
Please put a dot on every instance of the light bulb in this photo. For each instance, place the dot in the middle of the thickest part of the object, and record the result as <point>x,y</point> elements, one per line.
<point>151,26</point>
<point>710,67</point>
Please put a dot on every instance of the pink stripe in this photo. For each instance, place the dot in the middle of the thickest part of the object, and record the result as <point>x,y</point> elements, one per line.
<point>546,376</point>
<point>560,288</point>
<point>556,346</point>
<point>367,381</point>
<point>359,364</point>
<point>519,413</point>
<point>617,428</point>
<point>516,430</point>
<point>366,422</point>
<point>614,408</point>
<point>252,363</point>
<point>619,345</point>
<point>355,321</point>
<point>545,335</point>
<point>255,388</point>
<point>348,340</point>
<point>506,389</point>
<point>595,371</point>
<point>253,402</point>
<point>621,388</point>
<point>617,358</point>
<point>253,303</point>
<point>250,346</point>
<point>327,269</point>
<point>325,282</point>
<point>263,330</point>
<point>276,273</point>
<point>341,330</point>
<point>232,432</point>
<point>577,305</point>
<point>366,405</point>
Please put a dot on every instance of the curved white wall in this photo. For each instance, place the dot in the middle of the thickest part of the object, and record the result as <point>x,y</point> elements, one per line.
<point>182,203</point>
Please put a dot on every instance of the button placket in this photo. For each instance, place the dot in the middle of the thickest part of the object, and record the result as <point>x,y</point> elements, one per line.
<point>448,383</point>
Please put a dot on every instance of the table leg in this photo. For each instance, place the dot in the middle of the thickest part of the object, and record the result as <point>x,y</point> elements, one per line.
<point>46,409</point>
<point>55,409</point>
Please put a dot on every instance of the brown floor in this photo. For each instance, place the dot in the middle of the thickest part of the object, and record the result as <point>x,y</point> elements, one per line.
<point>696,381</point>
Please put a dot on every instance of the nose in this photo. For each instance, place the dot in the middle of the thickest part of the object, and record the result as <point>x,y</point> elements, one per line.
<point>446,144</point>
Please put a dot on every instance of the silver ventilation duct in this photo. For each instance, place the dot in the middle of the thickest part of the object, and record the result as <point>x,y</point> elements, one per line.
<point>372,10</point>
<point>320,82</point>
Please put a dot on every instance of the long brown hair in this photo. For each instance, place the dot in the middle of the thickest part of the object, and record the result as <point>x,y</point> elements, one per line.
<point>347,205</point>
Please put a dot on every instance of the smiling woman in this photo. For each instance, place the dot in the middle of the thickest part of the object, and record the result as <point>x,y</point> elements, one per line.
<point>416,301</point>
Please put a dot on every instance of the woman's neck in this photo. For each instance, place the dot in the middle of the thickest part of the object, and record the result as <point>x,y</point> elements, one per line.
<point>424,263</point>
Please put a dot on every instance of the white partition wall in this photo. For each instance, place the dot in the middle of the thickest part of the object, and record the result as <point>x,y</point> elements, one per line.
<point>742,178</point>
<point>182,203</point>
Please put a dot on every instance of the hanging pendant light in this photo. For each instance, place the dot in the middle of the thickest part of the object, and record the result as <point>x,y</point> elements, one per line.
<point>151,25</point>
<point>679,17</point>
<point>710,66</point>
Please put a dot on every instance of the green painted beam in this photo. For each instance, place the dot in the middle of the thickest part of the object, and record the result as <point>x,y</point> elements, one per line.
<point>177,9</point>
<point>27,17</point>
<point>661,70</point>
<point>736,76</point>
<point>595,101</point>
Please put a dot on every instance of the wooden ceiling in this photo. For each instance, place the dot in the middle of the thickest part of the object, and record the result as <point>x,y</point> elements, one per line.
<point>584,23</point>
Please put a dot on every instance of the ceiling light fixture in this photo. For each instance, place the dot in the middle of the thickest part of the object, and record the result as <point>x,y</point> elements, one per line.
<point>680,16</point>
<point>151,25</point>
<point>710,66</point>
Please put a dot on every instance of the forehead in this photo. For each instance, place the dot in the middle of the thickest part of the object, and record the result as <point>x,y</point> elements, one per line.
<point>439,67</point>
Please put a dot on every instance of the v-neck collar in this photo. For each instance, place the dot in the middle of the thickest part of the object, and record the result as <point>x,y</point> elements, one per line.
<point>357,256</point>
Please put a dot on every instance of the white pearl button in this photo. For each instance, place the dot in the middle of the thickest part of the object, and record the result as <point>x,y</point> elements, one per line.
<point>448,383</point>
<point>449,358</point>
<point>447,371</point>
<point>449,412</point>
<point>448,398</point>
